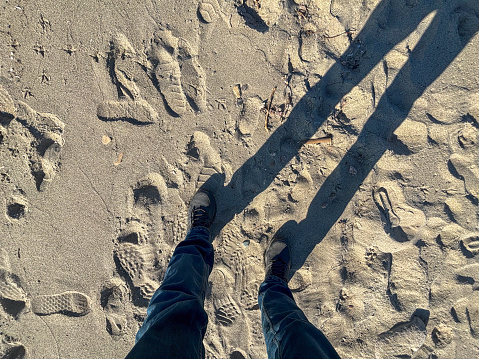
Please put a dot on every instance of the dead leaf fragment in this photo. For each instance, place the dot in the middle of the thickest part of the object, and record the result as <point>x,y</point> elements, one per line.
<point>118,159</point>
<point>237,90</point>
<point>106,139</point>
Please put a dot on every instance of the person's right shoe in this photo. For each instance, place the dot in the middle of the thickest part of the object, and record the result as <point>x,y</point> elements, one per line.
<point>202,209</point>
<point>277,259</point>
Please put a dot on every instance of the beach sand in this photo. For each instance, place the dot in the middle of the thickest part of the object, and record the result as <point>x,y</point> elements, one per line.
<point>112,114</point>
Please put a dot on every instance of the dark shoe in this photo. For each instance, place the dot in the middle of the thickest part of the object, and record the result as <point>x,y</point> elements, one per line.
<point>202,210</point>
<point>277,259</point>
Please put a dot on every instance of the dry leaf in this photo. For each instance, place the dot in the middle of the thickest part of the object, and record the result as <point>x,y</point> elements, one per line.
<point>237,90</point>
<point>106,139</point>
<point>119,158</point>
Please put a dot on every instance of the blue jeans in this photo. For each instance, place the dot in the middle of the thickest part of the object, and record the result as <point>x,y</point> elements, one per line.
<point>287,331</point>
<point>176,320</point>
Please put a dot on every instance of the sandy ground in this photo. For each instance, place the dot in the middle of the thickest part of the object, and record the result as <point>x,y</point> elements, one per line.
<point>112,114</point>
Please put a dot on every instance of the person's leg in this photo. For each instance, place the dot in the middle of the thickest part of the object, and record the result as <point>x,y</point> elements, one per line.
<point>176,320</point>
<point>287,331</point>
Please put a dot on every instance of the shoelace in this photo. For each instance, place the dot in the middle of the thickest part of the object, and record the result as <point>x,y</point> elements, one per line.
<point>279,268</point>
<point>200,218</point>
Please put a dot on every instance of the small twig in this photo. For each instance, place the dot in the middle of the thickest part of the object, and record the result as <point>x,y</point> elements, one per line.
<point>269,108</point>
<point>328,140</point>
<point>289,97</point>
<point>348,32</point>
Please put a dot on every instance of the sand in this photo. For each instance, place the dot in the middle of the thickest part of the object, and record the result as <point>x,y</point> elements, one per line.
<point>112,114</point>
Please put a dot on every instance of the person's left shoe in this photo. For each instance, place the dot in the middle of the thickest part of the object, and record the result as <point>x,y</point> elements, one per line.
<point>202,209</point>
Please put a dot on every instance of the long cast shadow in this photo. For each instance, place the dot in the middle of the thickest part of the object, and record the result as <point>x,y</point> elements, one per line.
<point>453,26</point>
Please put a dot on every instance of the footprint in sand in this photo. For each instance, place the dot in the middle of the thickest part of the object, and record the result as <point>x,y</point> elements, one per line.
<point>114,300</point>
<point>68,303</point>
<point>138,263</point>
<point>249,286</point>
<point>301,189</point>
<point>351,302</point>
<point>208,10</point>
<point>239,250</point>
<point>177,73</point>
<point>442,335</point>
<point>200,149</point>
<point>49,163</point>
<point>123,61</point>
<point>12,349</point>
<point>254,225</point>
<point>308,45</point>
<point>261,16</point>
<point>179,227</point>
<point>247,121</point>
<point>408,282</point>
<point>232,254</point>
<point>193,77</point>
<point>163,55</point>
<point>46,136</point>
<point>350,15</point>
<point>412,135</point>
<point>469,275</point>
<point>226,308</point>
<point>13,302</point>
<point>466,311</point>
<point>249,296</point>
<point>148,194</point>
<point>301,280</point>
<point>402,340</point>
<point>213,347</point>
<point>401,221</point>
<point>468,171</point>
<point>17,207</point>
<point>155,200</point>
<point>227,311</point>
<point>33,135</point>
<point>467,137</point>
<point>237,282</point>
<point>134,233</point>
<point>232,324</point>
<point>209,160</point>
<point>12,296</point>
<point>459,209</point>
<point>467,21</point>
<point>171,173</point>
<point>144,246</point>
<point>137,112</point>
<point>470,244</point>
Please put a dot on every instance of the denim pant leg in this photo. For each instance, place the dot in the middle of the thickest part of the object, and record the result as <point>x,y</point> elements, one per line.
<point>176,321</point>
<point>287,331</point>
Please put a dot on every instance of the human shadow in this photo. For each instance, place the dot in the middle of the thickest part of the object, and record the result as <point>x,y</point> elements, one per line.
<point>453,26</point>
